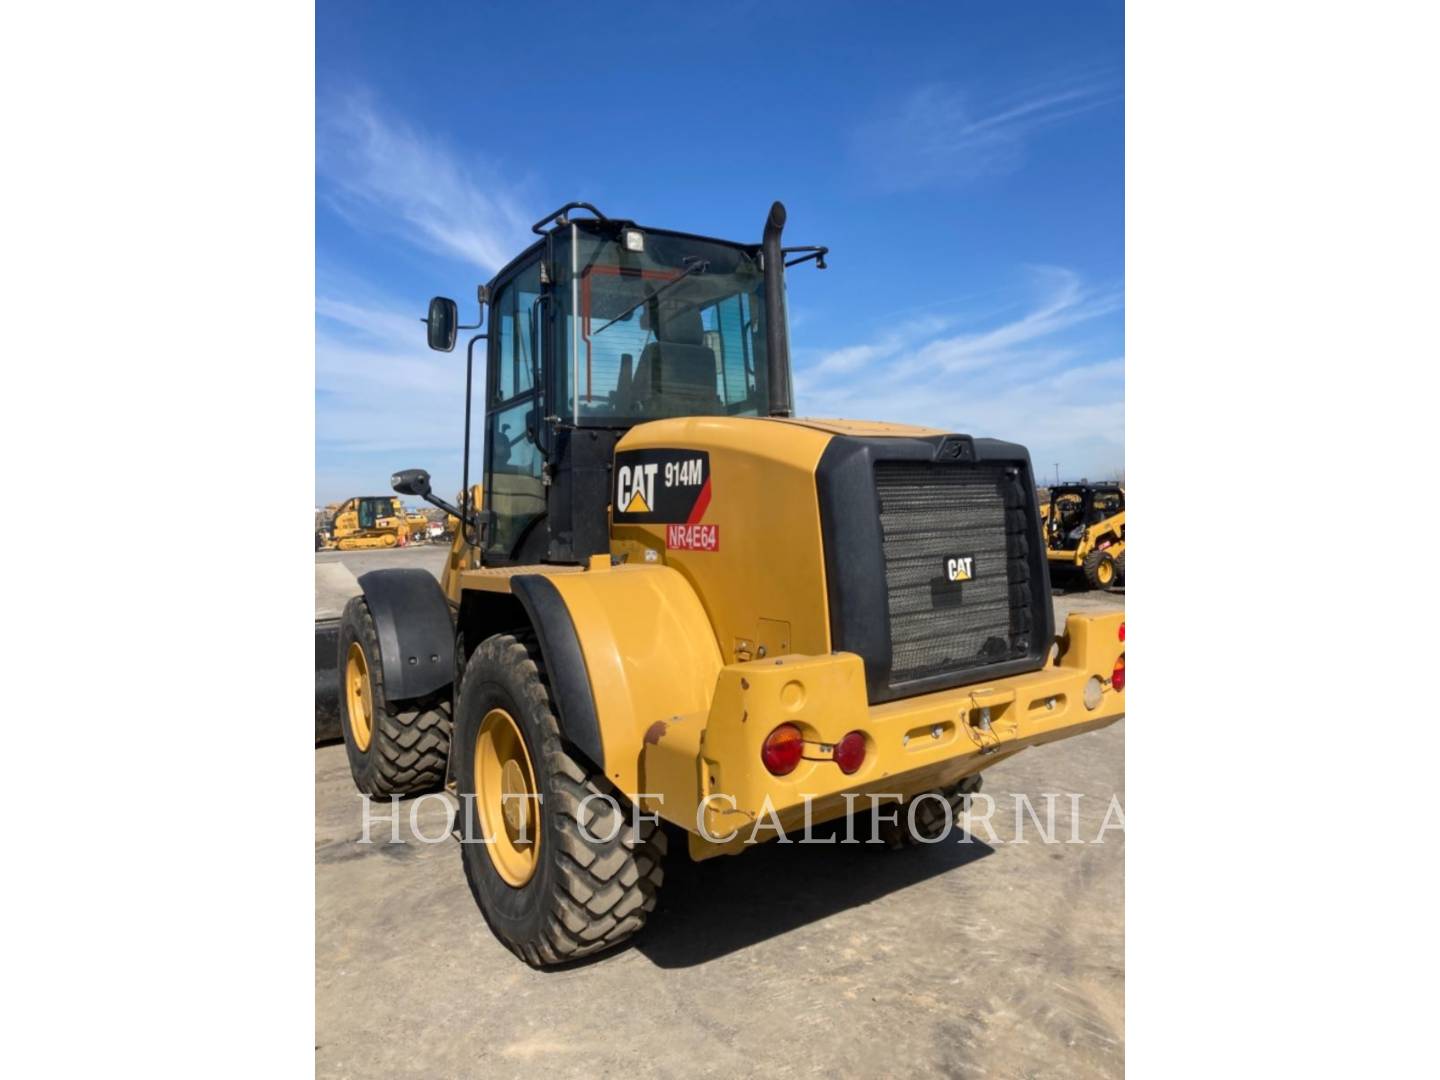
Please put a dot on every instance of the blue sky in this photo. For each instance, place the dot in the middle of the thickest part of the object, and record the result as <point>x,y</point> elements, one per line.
<point>964,162</point>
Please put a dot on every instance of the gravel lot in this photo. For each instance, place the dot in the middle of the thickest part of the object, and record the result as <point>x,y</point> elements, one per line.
<point>962,959</point>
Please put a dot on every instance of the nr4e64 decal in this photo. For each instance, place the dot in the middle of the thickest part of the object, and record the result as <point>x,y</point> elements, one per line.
<point>666,487</point>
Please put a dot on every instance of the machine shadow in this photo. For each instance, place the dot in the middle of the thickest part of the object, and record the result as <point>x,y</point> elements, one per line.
<point>710,909</point>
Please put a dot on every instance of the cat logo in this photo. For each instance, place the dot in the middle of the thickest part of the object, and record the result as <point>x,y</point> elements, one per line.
<point>960,568</point>
<point>661,486</point>
<point>635,488</point>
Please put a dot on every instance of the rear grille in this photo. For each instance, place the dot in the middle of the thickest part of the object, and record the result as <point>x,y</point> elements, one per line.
<point>931,513</point>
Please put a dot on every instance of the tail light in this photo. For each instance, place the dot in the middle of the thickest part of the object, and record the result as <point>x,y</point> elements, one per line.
<point>1122,631</point>
<point>849,752</point>
<point>1117,677</point>
<point>782,750</point>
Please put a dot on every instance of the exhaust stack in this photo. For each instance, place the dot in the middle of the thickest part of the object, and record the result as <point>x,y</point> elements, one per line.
<point>777,333</point>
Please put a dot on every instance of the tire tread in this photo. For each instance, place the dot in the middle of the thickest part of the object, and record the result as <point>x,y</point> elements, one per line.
<point>605,888</point>
<point>408,746</point>
<point>1092,568</point>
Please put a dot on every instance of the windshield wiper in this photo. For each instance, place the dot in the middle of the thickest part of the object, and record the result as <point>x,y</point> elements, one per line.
<point>697,266</point>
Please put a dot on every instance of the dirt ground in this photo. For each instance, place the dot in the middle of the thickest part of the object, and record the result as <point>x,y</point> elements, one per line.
<point>974,958</point>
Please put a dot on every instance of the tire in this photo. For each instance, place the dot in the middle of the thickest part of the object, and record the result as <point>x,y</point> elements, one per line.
<point>1100,570</point>
<point>1120,568</point>
<point>930,816</point>
<point>402,748</point>
<point>584,893</point>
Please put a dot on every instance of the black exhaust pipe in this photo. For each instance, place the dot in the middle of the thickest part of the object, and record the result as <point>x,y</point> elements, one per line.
<point>777,336</point>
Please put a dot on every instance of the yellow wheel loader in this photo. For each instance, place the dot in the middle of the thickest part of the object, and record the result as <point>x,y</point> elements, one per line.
<point>1084,530</point>
<point>681,611</point>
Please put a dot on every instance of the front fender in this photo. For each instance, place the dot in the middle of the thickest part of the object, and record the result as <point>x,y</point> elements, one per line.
<point>624,647</point>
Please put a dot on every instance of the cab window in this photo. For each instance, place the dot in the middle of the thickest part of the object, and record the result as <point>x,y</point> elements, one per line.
<point>674,327</point>
<point>513,328</point>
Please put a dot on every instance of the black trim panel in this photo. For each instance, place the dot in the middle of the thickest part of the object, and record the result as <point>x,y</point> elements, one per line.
<point>854,554</point>
<point>327,680</point>
<point>564,662</point>
<point>855,560</point>
<point>416,631</point>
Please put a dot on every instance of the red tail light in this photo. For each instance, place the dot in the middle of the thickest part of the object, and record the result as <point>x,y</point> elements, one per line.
<point>1122,631</point>
<point>849,752</point>
<point>782,749</point>
<point>1117,677</point>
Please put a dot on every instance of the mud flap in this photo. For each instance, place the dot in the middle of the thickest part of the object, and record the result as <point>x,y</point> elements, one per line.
<point>327,680</point>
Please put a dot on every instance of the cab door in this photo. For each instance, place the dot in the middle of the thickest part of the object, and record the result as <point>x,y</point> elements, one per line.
<point>514,419</point>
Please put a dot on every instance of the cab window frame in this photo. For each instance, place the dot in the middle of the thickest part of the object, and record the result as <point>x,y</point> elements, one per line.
<point>504,287</point>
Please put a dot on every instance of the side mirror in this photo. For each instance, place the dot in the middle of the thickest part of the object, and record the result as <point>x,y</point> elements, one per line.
<point>411,482</point>
<point>441,323</point>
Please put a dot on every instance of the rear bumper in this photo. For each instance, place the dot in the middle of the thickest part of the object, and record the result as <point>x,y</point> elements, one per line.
<point>704,772</point>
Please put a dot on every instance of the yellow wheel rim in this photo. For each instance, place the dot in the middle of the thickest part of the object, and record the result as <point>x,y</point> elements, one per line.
<point>506,796</point>
<point>1105,571</point>
<point>359,703</point>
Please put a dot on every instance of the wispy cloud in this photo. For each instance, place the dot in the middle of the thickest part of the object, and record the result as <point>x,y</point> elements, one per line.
<point>942,133</point>
<point>377,388</point>
<point>383,401</point>
<point>384,176</point>
<point>1042,377</point>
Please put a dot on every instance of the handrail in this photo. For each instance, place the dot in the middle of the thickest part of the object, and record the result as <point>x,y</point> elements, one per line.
<point>559,216</point>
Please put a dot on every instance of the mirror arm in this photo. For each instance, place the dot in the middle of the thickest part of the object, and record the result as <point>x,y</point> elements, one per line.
<point>435,500</point>
<point>482,295</point>
<point>467,517</point>
<point>816,253</point>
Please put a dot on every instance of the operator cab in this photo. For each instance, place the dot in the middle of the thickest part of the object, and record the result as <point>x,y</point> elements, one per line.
<point>1075,508</point>
<point>370,509</point>
<point>600,325</point>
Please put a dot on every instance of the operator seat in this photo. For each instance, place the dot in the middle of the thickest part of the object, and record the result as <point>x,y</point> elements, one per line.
<point>677,366</point>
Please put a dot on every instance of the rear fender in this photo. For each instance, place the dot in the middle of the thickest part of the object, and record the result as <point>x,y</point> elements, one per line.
<point>625,648</point>
<point>416,631</point>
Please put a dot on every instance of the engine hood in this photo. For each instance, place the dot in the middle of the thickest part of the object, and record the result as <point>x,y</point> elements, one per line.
<point>866,429</point>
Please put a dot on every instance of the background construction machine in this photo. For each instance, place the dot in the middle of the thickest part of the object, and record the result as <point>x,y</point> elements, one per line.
<point>417,527</point>
<point>678,603</point>
<point>367,521</point>
<point>1084,530</point>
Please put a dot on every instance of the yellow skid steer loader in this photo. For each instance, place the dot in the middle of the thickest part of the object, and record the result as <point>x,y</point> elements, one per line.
<point>1084,529</point>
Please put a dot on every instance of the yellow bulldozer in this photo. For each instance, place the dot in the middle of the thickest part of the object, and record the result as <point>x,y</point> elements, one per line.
<point>1084,531</point>
<point>681,613</point>
<point>366,521</point>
